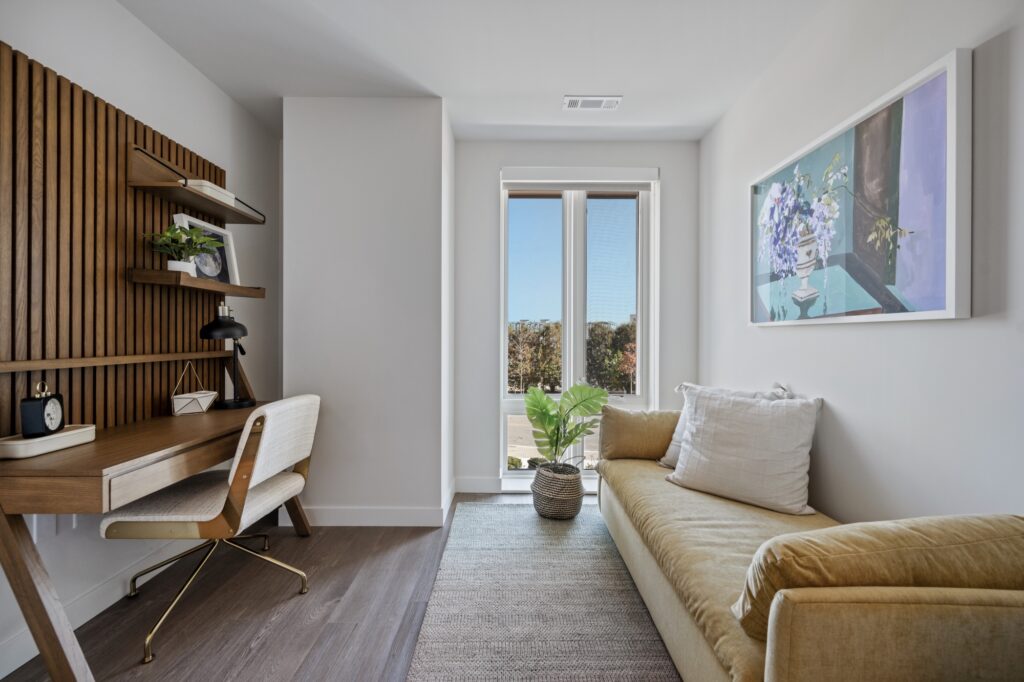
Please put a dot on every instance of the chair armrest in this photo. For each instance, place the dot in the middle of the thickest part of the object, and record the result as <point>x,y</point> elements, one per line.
<point>895,633</point>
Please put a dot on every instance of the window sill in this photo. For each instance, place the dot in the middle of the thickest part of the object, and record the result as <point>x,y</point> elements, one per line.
<point>520,483</point>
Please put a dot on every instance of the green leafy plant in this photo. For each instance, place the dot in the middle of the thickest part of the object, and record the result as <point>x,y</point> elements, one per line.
<point>557,425</point>
<point>183,243</point>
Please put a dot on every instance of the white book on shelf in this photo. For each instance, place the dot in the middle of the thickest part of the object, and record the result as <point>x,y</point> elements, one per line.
<point>211,189</point>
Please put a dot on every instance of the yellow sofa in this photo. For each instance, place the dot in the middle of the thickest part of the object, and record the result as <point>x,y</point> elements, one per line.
<point>689,552</point>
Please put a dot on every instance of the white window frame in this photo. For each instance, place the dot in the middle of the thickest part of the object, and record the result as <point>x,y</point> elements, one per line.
<point>573,184</point>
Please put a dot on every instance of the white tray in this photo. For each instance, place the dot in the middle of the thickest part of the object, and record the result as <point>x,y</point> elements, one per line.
<point>16,447</point>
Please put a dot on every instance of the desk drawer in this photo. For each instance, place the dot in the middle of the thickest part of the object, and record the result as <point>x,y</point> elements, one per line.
<point>140,482</point>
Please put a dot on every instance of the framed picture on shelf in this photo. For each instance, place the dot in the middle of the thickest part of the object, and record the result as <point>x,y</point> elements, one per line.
<point>872,221</point>
<point>222,265</point>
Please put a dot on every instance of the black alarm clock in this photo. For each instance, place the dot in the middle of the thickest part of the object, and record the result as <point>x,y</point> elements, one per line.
<point>43,413</point>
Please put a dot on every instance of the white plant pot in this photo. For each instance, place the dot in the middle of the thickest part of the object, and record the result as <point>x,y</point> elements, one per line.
<point>186,266</point>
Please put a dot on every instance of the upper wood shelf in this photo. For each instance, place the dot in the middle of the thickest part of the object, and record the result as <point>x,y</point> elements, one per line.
<point>149,172</point>
<point>170,278</point>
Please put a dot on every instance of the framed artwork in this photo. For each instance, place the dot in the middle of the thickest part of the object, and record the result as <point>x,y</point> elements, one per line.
<point>222,265</point>
<point>872,221</point>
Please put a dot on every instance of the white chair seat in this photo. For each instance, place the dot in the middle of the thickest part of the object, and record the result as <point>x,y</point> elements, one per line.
<point>201,498</point>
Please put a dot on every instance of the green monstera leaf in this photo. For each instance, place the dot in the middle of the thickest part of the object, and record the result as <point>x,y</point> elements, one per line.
<point>557,426</point>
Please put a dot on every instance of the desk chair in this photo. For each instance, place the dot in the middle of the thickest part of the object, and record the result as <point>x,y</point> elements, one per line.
<point>270,468</point>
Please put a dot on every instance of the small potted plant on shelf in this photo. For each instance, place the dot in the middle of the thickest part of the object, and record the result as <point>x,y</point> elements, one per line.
<point>558,486</point>
<point>181,245</point>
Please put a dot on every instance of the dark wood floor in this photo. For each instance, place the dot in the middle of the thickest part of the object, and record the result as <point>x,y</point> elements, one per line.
<point>243,619</point>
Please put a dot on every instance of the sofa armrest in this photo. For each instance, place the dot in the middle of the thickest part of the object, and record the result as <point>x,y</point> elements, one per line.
<point>895,633</point>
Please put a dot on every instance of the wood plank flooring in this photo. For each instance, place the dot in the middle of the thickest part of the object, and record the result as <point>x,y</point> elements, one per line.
<point>243,619</point>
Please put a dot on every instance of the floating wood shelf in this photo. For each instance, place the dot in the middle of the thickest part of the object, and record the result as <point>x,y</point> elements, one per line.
<point>168,278</point>
<point>152,174</point>
<point>109,361</point>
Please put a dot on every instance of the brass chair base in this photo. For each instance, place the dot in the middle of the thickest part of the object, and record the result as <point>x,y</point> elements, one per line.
<point>133,584</point>
<point>210,546</point>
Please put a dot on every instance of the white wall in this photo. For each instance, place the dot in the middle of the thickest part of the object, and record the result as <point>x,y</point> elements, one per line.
<point>363,282</point>
<point>447,312</point>
<point>477,293</point>
<point>920,417</point>
<point>101,46</point>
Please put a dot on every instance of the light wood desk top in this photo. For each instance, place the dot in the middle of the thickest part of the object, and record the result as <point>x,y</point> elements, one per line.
<point>123,464</point>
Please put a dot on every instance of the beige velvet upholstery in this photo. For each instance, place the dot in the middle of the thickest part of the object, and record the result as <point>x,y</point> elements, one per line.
<point>689,552</point>
<point>852,634</point>
<point>201,498</point>
<point>703,545</point>
<point>942,551</point>
<point>634,434</point>
<point>691,653</point>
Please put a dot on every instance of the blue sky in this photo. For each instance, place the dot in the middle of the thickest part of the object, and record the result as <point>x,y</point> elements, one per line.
<point>535,259</point>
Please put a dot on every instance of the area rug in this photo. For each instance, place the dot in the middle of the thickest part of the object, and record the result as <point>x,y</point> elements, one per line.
<point>518,597</point>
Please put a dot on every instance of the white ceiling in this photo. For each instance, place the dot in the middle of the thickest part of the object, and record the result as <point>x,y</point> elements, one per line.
<point>502,67</point>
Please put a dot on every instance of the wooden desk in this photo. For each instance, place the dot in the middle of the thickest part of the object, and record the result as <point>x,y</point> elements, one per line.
<point>121,465</point>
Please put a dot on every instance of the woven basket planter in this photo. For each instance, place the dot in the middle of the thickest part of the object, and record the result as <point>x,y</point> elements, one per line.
<point>557,491</point>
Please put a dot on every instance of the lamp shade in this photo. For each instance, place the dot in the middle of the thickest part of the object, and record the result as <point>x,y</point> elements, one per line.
<point>223,328</point>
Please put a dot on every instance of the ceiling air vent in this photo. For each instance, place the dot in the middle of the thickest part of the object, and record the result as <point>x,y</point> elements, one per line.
<point>591,102</point>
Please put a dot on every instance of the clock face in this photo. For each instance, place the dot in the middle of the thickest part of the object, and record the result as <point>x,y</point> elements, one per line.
<point>53,413</point>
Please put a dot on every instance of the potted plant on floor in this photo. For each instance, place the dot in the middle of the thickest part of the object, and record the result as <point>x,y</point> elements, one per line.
<point>181,245</point>
<point>558,487</point>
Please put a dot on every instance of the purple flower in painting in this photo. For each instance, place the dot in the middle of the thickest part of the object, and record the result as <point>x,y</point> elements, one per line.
<point>787,215</point>
<point>778,229</point>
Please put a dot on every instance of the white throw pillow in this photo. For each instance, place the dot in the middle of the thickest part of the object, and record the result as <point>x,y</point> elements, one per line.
<point>671,457</point>
<point>748,449</point>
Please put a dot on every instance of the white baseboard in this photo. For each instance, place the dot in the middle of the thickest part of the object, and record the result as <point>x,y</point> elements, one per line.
<point>370,516</point>
<point>19,648</point>
<point>477,484</point>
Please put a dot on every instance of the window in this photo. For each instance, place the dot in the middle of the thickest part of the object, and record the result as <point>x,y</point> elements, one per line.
<point>577,299</point>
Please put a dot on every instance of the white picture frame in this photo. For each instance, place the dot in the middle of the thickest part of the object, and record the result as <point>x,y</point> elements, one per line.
<point>229,258</point>
<point>957,66</point>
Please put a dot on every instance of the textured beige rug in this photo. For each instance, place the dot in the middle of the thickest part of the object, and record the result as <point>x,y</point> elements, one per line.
<point>519,597</point>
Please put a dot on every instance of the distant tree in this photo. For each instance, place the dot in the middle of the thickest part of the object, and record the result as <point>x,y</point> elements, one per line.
<point>535,356</point>
<point>627,365</point>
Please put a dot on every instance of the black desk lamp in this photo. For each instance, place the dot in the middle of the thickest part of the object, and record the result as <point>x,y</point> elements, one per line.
<point>224,326</point>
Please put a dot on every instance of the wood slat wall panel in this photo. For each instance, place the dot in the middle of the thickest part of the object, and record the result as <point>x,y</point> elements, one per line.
<point>70,229</point>
<point>6,227</point>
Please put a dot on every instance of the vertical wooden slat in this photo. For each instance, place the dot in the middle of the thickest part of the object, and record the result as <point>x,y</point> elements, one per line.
<point>64,223</point>
<point>37,229</point>
<point>21,222</point>
<point>150,260</point>
<point>64,243</point>
<point>129,250</point>
<point>139,292</point>
<point>109,235</point>
<point>121,249</point>
<point>77,249</point>
<point>100,245</point>
<point>89,259</point>
<point>6,234</point>
<point>51,214</point>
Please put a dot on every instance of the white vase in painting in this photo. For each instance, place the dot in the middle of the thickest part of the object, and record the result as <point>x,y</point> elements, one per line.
<point>186,266</point>
<point>807,255</point>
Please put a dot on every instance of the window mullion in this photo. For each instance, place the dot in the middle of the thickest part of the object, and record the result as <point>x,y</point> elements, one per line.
<point>568,287</point>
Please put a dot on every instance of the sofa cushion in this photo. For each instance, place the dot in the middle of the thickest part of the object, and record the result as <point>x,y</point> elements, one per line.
<point>671,458</point>
<point>936,551</point>
<point>749,449</point>
<point>634,434</point>
<point>703,544</point>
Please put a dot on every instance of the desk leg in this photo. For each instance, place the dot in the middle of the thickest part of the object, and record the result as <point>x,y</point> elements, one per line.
<point>38,600</point>
<point>298,517</point>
